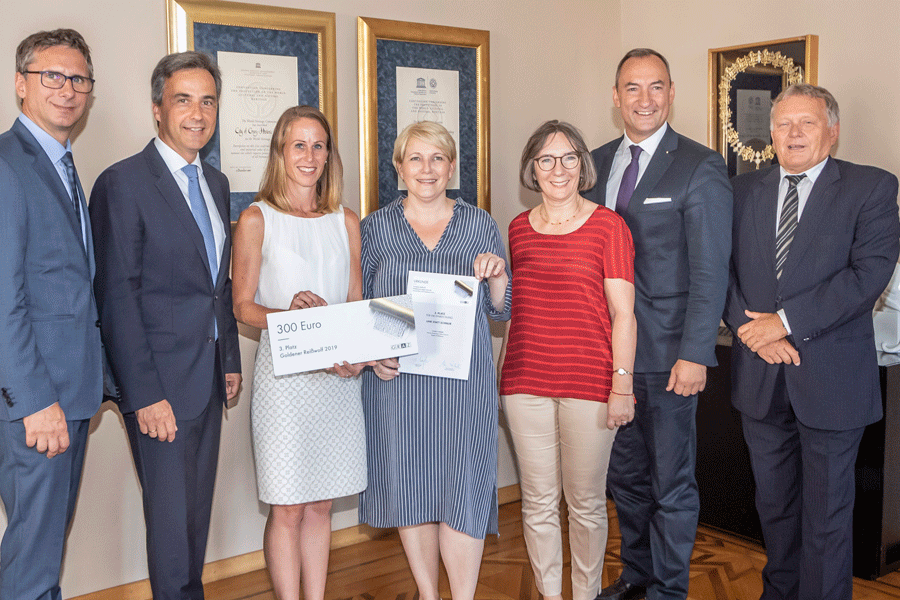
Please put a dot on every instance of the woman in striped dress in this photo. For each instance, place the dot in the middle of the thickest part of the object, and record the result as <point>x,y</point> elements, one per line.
<point>566,376</point>
<point>431,441</point>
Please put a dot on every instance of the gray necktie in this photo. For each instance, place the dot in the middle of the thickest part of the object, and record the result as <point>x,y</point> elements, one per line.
<point>69,164</point>
<point>788,223</point>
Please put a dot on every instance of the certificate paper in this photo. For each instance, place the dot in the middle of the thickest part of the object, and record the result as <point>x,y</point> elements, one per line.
<point>445,307</point>
<point>256,89</point>
<point>429,95</point>
<point>316,338</point>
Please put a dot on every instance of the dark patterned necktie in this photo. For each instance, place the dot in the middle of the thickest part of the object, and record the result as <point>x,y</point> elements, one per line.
<point>787,225</point>
<point>629,180</point>
<point>69,164</point>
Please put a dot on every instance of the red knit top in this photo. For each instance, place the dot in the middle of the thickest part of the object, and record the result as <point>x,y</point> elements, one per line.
<point>560,334</point>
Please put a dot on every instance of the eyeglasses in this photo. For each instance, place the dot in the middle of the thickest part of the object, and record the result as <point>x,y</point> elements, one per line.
<point>55,81</point>
<point>548,163</point>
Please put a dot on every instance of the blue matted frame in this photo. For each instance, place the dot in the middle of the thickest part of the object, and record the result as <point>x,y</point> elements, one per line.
<point>385,45</point>
<point>212,25</point>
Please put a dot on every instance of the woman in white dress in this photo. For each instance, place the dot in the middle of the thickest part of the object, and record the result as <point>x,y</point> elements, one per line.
<point>296,247</point>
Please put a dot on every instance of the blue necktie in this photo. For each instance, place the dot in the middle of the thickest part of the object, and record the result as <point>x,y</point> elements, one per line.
<point>69,164</point>
<point>201,215</point>
<point>629,180</point>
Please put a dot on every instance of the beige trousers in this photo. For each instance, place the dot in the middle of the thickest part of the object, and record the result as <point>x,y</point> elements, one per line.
<point>562,446</point>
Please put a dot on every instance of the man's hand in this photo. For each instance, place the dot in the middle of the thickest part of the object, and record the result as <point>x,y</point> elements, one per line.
<point>232,385</point>
<point>779,352</point>
<point>687,378</point>
<point>46,431</point>
<point>765,328</point>
<point>157,421</point>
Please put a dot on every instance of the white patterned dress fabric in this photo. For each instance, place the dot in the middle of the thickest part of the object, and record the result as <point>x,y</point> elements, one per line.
<point>308,429</point>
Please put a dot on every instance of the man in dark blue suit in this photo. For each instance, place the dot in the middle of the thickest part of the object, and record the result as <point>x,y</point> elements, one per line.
<point>50,352</point>
<point>815,243</point>
<point>675,197</point>
<point>163,241</point>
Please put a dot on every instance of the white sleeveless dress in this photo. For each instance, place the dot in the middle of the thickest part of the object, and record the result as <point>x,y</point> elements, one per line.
<point>308,429</point>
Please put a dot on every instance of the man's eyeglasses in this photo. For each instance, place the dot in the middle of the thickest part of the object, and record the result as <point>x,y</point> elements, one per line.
<point>547,162</point>
<point>55,81</point>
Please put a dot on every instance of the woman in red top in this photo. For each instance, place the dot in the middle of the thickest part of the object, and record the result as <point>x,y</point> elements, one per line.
<point>566,382</point>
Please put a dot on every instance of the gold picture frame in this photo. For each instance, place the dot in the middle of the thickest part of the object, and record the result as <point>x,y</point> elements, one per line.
<point>375,153</point>
<point>308,35</point>
<point>763,67</point>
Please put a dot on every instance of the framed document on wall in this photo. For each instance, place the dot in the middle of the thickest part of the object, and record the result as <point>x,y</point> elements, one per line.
<point>743,81</point>
<point>412,72</point>
<point>271,58</point>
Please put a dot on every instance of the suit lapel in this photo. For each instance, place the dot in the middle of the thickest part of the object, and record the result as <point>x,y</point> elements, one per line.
<point>814,211</point>
<point>221,200</point>
<point>173,196</point>
<point>763,205</point>
<point>603,169</point>
<point>48,174</point>
<point>657,167</point>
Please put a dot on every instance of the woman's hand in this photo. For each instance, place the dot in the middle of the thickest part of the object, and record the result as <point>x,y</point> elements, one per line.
<point>489,266</point>
<point>619,410</point>
<point>347,370</point>
<point>306,299</point>
<point>387,368</point>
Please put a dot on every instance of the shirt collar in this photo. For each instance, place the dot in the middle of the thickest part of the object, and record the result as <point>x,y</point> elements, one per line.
<point>811,174</point>
<point>650,144</point>
<point>174,161</point>
<point>52,148</point>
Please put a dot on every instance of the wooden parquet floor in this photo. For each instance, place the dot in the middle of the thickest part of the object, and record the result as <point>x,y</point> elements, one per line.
<point>723,567</point>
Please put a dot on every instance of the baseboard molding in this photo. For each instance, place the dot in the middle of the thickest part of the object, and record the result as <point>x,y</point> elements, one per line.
<point>254,561</point>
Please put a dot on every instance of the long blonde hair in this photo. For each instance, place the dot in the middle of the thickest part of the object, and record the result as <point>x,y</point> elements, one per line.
<point>329,188</point>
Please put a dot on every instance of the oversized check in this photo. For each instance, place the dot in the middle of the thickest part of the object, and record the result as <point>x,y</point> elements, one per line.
<point>445,308</point>
<point>316,338</point>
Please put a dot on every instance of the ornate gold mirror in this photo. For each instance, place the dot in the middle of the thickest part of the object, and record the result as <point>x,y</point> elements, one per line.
<point>743,81</point>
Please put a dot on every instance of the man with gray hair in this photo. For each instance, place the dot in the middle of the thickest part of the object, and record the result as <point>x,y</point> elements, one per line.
<point>163,240</point>
<point>50,353</point>
<point>815,243</point>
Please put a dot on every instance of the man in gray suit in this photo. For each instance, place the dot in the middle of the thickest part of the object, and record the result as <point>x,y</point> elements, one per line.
<point>50,353</point>
<point>675,197</point>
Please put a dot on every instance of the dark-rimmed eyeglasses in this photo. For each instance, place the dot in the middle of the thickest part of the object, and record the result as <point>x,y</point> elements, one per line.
<point>55,81</point>
<point>548,163</point>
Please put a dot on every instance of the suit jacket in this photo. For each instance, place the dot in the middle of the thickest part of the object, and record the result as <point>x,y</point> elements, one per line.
<point>681,249</point>
<point>842,257</point>
<point>157,301</point>
<point>49,340</point>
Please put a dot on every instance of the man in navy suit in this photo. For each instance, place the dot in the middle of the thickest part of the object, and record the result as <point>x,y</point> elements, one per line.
<point>675,197</point>
<point>163,241</point>
<point>815,243</point>
<point>50,352</point>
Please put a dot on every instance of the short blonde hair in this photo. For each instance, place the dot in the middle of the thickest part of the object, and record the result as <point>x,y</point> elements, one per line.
<point>428,132</point>
<point>329,188</point>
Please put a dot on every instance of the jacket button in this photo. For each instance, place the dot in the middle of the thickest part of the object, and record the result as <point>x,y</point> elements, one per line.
<point>97,322</point>
<point>209,340</point>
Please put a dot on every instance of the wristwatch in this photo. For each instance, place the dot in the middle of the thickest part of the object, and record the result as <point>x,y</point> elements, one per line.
<point>621,371</point>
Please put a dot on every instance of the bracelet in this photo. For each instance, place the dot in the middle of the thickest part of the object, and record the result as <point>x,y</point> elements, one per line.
<point>618,394</point>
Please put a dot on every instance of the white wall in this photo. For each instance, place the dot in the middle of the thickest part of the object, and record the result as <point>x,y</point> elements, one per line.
<point>548,60</point>
<point>857,58</point>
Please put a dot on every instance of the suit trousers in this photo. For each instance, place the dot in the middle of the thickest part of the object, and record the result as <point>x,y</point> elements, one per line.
<point>652,481</point>
<point>39,496</point>
<point>562,446</point>
<point>805,489</point>
<point>177,480</point>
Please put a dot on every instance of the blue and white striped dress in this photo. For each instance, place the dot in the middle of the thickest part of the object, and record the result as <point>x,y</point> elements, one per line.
<point>431,441</point>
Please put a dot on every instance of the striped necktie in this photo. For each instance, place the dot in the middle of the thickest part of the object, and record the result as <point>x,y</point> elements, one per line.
<point>787,225</point>
<point>69,164</point>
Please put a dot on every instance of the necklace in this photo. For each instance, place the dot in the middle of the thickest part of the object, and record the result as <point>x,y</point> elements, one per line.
<point>545,216</point>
